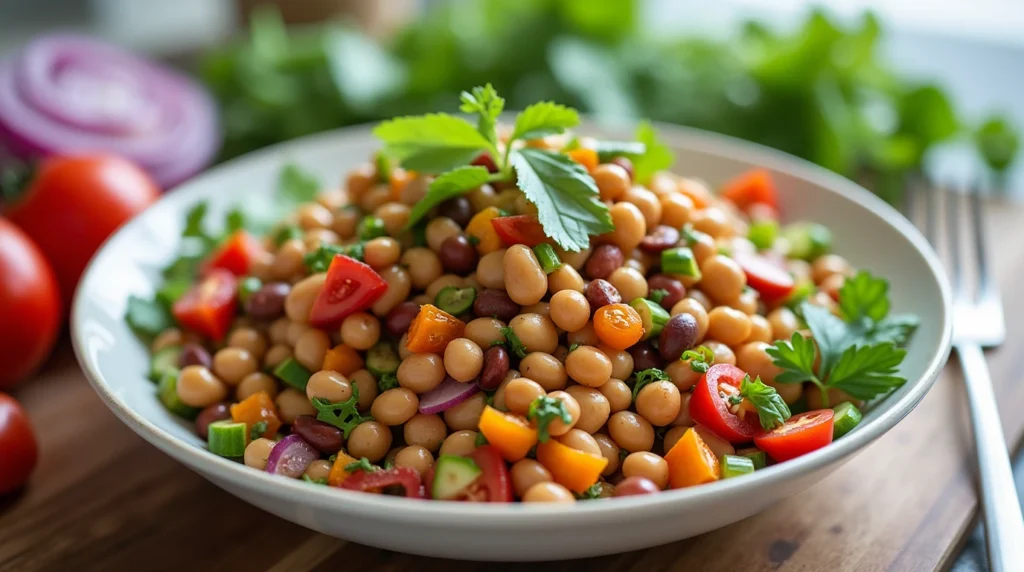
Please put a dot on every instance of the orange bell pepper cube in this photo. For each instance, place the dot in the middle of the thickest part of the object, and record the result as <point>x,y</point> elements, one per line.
<point>343,360</point>
<point>338,473</point>
<point>574,469</point>
<point>752,187</point>
<point>586,157</point>
<point>511,435</point>
<point>254,409</point>
<point>482,230</point>
<point>691,462</point>
<point>432,329</point>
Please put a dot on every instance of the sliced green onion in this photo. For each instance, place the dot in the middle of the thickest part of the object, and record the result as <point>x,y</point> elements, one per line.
<point>287,233</point>
<point>652,315</point>
<point>762,233</point>
<point>292,373</point>
<point>455,300</point>
<point>371,227</point>
<point>548,258</point>
<point>679,261</point>
<point>382,359</point>
<point>807,240</point>
<point>756,455</point>
<point>736,466</point>
<point>847,416</point>
<point>167,392</point>
<point>227,438</point>
<point>247,287</point>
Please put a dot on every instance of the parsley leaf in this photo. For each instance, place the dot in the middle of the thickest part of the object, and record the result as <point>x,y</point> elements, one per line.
<point>487,105</point>
<point>896,329</point>
<point>387,381</point>
<point>701,358</point>
<point>147,318</point>
<point>864,295</point>
<point>795,357</point>
<point>645,377</point>
<point>573,347</point>
<point>593,492</point>
<point>657,295</point>
<point>296,186</point>
<point>565,195</point>
<point>867,371</point>
<point>512,342</point>
<point>830,333</point>
<point>344,415</point>
<point>772,411</point>
<point>194,220</point>
<point>543,411</point>
<point>432,143</point>
<point>320,259</point>
<point>320,481</point>
<point>456,182</point>
<point>544,118</point>
<point>363,464</point>
<point>257,430</point>
<point>656,157</point>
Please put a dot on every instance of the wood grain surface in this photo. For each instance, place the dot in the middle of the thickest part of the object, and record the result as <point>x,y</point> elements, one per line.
<point>103,499</point>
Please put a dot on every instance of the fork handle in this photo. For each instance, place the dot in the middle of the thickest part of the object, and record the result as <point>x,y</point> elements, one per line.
<point>1004,526</point>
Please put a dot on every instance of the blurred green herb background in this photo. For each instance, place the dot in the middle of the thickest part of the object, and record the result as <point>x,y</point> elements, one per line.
<point>821,92</point>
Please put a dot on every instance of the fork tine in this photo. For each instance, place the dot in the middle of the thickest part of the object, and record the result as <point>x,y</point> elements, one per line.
<point>954,202</point>
<point>984,280</point>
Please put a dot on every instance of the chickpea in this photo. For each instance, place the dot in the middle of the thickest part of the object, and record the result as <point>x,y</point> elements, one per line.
<point>275,355</point>
<point>585,336</point>
<point>360,180</point>
<point>370,439</point>
<point>783,322</point>
<point>314,216</point>
<point>728,325</point>
<point>484,331</point>
<point>594,407</point>
<point>619,395</point>
<point>527,472</point>
<point>722,352</point>
<point>375,198</point>
<point>569,310</point>
<point>541,308</point>
<point>525,281</point>
<point>345,222</point>
<point>792,392</point>
<point>565,278</point>
<point>694,308</point>
<point>630,226</point>
<point>545,370</point>
<point>311,347</point>
<point>366,384</point>
<point>295,331</point>
<point>423,266</point>
<point>520,392</point>
<point>831,285</point>
<point>318,469</point>
<point>278,331</point>
<point>561,352</point>
<point>289,259</point>
<point>760,329</point>
<point>622,361</point>
<point>575,259</point>
<point>255,383</point>
<point>329,385</point>
<point>291,404</point>
<point>232,364</point>
<point>466,415</point>
<point>827,265</point>
<point>382,252</point>
<point>463,360</point>
<point>588,366</point>
<point>612,181</point>
<point>459,444</point>
<point>647,465</point>
<point>421,372</point>
<point>581,441</point>
<point>659,403</point>
<point>439,230</point>
<point>648,204</point>
<point>557,426</point>
<point>490,270</point>
<point>610,451</point>
<point>415,457</point>
<point>399,286</point>
<point>395,406</point>
<point>427,431</point>
<point>672,436</point>
<point>257,452</point>
<point>301,297</point>
<point>166,339</point>
<point>198,387</point>
<point>360,331</point>
<point>548,492</point>
<point>676,209</point>
<point>631,431</point>
<point>483,197</point>
<point>703,247</point>
<point>536,332</point>
<point>723,279</point>
<point>700,297</point>
<point>682,375</point>
<point>630,283</point>
<point>753,359</point>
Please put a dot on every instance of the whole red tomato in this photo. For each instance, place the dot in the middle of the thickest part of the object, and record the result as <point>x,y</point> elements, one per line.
<point>17,445</point>
<point>29,306</point>
<point>71,204</point>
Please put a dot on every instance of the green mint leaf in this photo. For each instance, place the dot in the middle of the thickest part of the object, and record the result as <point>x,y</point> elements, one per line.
<point>864,296</point>
<point>432,143</point>
<point>656,157</point>
<point>543,119</point>
<point>363,464</point>
<point>772,411</point>
<point>608,150</point>
<point>487,105</point>
<point>296,186</point>
<point>830,333</point>
<point>566,197</point>
<point>456,182</point>
<point>257,430</point>
<point>344,415</point>
<point>866,372</point>
<point>646,377</point>
<point>387,381</point>
<point>795,357</point>
<point>543,411</point>
<point>147,318</point>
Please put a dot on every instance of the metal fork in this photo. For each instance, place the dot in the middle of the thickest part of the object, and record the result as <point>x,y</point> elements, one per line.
<point>978,323</point>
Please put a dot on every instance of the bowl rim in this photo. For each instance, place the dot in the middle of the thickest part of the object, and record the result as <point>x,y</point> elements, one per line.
<point>522,515</point>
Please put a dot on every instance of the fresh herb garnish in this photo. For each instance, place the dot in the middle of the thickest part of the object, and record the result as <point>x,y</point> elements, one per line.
<point>701,358</point>
<point>645,377</point>
<point>572,347</point>
<point>344,415</point>
<point>257,430</point>
<point>512,342</point>
<point>623,454</point>
<point>657,295</point>
<point>656,157</point>
<point>543,411</point>
<point>286,233</point>
<point>387,381</point>
<point>480,440</point>
<point>363,464</point>
<point>320,259</point>
<point>147,318</point>
<point>772,411</point>
<point>593,492</point>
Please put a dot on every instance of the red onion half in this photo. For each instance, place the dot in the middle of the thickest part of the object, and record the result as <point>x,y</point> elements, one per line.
<point>291,456</point>
<point>66,94</point>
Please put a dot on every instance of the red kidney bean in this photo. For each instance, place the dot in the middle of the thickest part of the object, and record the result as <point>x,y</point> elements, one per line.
<point>459,209</point>
<point>678,335</point>
<point>603,261</point>
<point>458,255</point>
<point>631,486</point>
<point>400,318</point>
<point>626,164</point>
<point>215,412</point>
<point>661,238</point>
<point>676,290</point>
<point>496,365</point>
<point>324,437</point>
<point>644,356</point>
<point>194,354</point>
<point>267,303</point>
<point>496,303</point>
<point>601,293</point>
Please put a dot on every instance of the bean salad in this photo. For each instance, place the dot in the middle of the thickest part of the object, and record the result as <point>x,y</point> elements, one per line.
<point>499,313</point>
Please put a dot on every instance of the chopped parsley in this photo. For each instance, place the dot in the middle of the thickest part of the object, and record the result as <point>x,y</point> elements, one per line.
<point>344,415</point>
<point>512,342</point>
<point>701,358</point>
<point>543,411</point>
<point>772,411</point>
<point>362,464</point>
<point>645,377</point>
<point>257,430</point>
<point>387,381</point>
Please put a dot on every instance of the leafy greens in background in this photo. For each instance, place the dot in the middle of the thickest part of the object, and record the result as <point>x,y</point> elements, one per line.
<point>820,92</point>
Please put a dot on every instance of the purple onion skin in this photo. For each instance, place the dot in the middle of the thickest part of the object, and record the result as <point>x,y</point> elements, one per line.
<point>291,456</point>
<point>447,395</point>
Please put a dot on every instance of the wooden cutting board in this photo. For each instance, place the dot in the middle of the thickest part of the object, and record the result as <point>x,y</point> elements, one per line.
<point>103,499</point>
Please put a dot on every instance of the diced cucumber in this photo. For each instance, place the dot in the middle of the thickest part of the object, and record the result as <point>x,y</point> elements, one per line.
<point>227,438</point>
<point>762,233</point>
<point>736,466</point>
<point>382,359</point>
<point>452,475</point>
<point>679,261</point>
<point>847,416</point>
<point>455,300</point>
<point>167,392</point>
<point>652,315</point>
<point>292,373</point>
<point>166,360</point>
<point>756,455</point>
<point>807,240</point>
<point>548,258</point>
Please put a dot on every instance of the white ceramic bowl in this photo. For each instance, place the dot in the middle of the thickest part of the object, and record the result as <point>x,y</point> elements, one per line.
<point>867,231</point>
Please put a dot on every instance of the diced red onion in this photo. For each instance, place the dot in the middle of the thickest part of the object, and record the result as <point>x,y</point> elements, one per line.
<point>65,93</point>
<point>446,395</point>
<point>291,456</point>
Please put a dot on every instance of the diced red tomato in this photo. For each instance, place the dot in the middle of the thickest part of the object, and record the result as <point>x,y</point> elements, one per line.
<point>800,435</point>
<point>373,481</point>
<point>519,229</point>
<point>485,160</point>
<point>209,306</point>
<point>770,280</point>
<point>495,477</point>
<point>236,254</point>
<point>752,187</point>
<point>709,404</point>
<point>351,287</point>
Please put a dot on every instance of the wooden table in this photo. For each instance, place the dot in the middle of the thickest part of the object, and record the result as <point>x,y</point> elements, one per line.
<point>103,499</point>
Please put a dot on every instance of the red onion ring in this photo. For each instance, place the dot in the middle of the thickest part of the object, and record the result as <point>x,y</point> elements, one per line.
<point>65,94</point>
<point>446,395</point>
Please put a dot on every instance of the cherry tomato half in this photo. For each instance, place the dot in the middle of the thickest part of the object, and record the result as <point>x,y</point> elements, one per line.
<point>18,451</point>
<point>800,435</point>
<point>709,405</point>
<point>236,254</point>
<point>71,204</point>
<point>770,280</point>
<point>351,287</point>
<point>752,187</point>
<point>373,481</point>
<point>495,477</point>
<point>209,306</point>
<point>519,229</point>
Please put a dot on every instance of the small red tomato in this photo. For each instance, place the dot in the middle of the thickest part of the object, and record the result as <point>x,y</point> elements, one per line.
<point>373,481</point>
<point>495,477</point>
<point>29,306</point>
<point>800,435</point>
<point>770,280</point>
<point>236,254</point>
<point>709,405</point>
<point>351,287</point>
<point>209,306</point>
<point>519,229</point>
<point>752,187</point>
<point>18,451</point>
